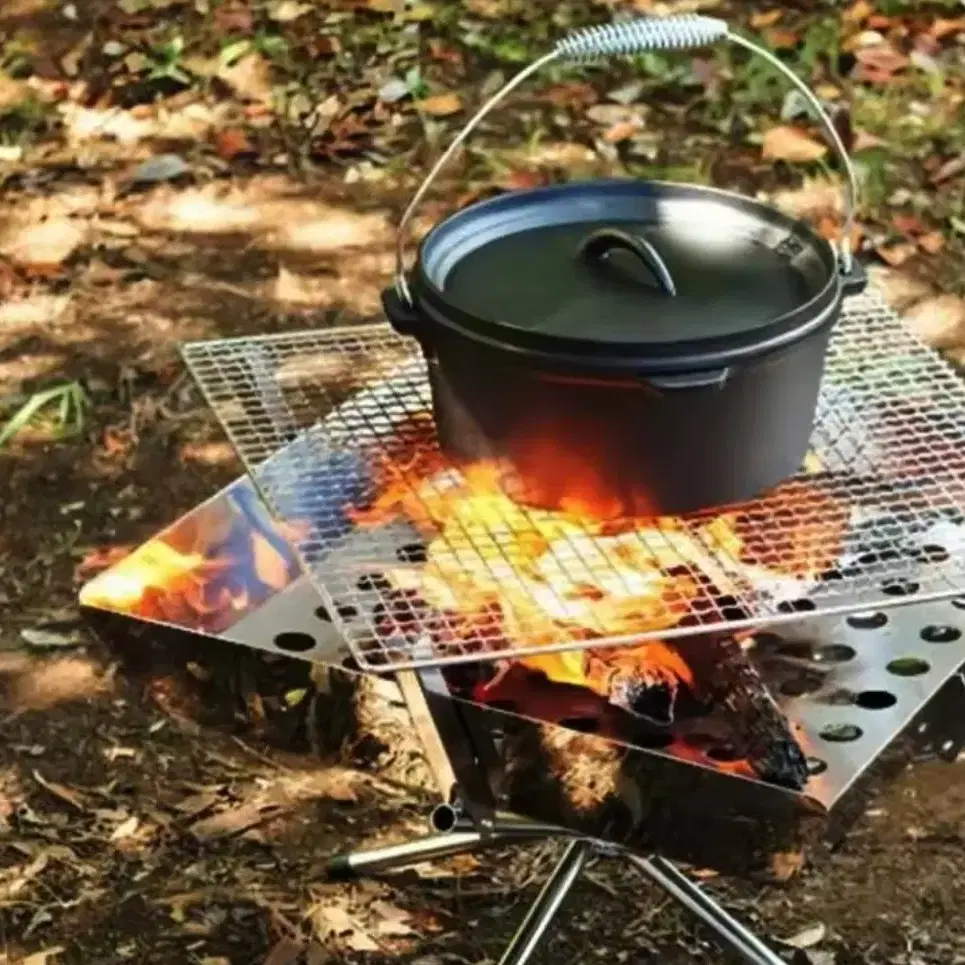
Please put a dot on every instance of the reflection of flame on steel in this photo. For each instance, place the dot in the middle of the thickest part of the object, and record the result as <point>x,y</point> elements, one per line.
<point>206,572</point>
<point>499,575</point>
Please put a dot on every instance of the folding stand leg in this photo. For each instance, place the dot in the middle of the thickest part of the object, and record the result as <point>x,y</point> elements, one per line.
<point>543,910</point>
<point>729,932</point>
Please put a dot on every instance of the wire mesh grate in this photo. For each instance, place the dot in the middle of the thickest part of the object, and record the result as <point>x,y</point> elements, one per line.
<point>335,428</point>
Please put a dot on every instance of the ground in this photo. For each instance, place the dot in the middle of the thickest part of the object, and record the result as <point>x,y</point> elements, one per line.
<point>174,170</point>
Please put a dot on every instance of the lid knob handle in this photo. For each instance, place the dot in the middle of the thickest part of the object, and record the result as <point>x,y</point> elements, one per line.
<point>597,246</point>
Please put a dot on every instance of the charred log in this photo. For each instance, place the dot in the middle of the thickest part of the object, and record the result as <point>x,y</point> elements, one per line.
<point>730,682</point>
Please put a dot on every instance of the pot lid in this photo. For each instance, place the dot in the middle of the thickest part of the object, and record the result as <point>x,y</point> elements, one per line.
<point>629,271</point>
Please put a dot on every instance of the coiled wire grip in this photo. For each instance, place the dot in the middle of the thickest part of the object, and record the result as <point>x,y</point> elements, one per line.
<point>684,32</point>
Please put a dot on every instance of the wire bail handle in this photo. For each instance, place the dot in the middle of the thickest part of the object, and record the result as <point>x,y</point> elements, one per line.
<point>683,32</point>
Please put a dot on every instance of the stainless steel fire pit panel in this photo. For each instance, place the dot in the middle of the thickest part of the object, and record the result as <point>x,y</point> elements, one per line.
<point>888,448</point>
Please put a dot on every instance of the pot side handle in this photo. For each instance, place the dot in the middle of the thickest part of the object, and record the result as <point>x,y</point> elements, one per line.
<point>712,379</point>
<point>681,32</point>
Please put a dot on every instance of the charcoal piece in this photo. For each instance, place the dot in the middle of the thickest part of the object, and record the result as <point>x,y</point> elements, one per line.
<point>730,682</point>
<point>654,701</point>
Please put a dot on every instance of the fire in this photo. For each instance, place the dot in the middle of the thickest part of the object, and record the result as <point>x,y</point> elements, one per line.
<point>497,573</point>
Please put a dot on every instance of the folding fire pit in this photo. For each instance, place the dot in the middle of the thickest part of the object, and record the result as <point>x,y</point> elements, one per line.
<point>378,556</point>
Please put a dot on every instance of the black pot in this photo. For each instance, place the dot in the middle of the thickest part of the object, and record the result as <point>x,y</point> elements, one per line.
<point>628,347</point>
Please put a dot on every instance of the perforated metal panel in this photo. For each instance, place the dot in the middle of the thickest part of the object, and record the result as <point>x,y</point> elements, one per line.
<point>874,520</point>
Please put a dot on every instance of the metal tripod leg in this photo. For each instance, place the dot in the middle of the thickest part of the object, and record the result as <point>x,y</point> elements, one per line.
<point>728,931</point>
<point>544,909</point>
<point>356,864</point>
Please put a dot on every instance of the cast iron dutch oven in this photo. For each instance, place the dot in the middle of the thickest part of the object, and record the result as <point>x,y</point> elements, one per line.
<point>626,347</point>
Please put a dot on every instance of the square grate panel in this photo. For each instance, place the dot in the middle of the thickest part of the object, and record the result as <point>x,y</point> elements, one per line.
<point>334,427</point>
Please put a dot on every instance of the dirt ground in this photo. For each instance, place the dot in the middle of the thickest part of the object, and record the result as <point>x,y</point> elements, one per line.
<point>159,817</point>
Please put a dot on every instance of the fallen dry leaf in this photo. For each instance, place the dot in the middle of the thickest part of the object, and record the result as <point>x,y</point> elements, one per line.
<point>932,243</point>
<point>61,792</point>
<point>619,133</point>
<point>48,244</point>
<point>125,829</point>
<point>858,12</point>
<point>939,322</point>
<point>766,19</point>
<point>791,144</point>
<point>42,957</point>
<point>786,864</point>
<point>950,169</point>
<point>878,64</point>
<point>908,224</point>
<point>807,937</point>
<point>334,922</point>
<point>232,143</point>
<point>249,78</point>
<point>441,105</point>
<point>284,952</point>
<point>896,255</point>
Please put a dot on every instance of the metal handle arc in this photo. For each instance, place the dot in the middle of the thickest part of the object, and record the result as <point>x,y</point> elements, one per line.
<point>682,32</point>
<point>598,245</point>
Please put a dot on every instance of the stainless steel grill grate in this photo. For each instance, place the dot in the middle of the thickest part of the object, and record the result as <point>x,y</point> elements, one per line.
<point>873,520</point>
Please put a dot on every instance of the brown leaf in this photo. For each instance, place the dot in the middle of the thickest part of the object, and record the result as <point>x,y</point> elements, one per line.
<point>441,51</point>
<point>61,792</point>
<point>571,95</point>
<point>232,821</point>
<point>782,39</point>
<point>939,322</point>
<point>233,17</point>
<point>249,78</point>
<point>908,224</point>
<point>232,143</point>
<point>333,921</point>
<point>896,255</point>
<point>621,132</point>
<point>766,19</point>
<point>879,64</point>
<point>48,244</point>
<point>285,952</point>
<point>42,957</point>
<point>858,12</point>
<point>932,243</point>
<point>786,864</point>
<point>950,169</point>
<point>441,105</point>
<point>944,27</point>
<point>789,143</point>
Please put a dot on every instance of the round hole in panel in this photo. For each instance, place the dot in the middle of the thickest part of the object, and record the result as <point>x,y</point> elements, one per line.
<point>323,614</point>
<point>412,553</point>
<point>875,699</point>
<point>900,587</point>
<point>880,556</point>
<point>816,766</point>
<point>931,553</point>
<point>940,633</point>
<point>373,581</point>
<point>840,733</point>
<point>867,621</point>
<point>834,653</point>
<point>908,667</point>
<point>346,611</point>
<point>295,642</point>
<point>801,605</point>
